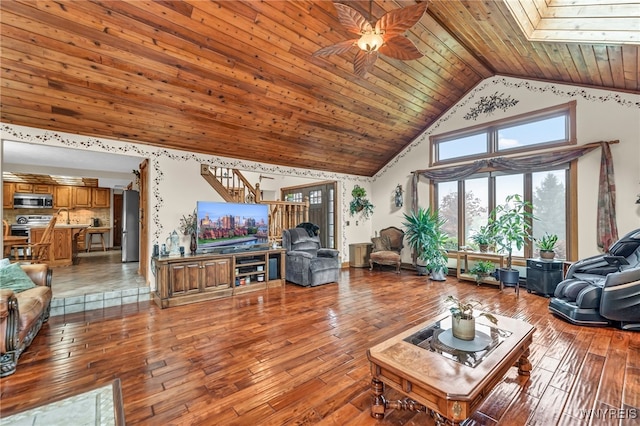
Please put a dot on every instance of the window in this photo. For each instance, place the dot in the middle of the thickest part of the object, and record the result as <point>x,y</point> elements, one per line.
<point>547,191</point>
<point>447,199</point>
<point>550,208</point>
<point>466,204</point>
<point>541,129</point>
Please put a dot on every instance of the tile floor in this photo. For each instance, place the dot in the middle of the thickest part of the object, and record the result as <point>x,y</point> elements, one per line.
<point>99,280</point>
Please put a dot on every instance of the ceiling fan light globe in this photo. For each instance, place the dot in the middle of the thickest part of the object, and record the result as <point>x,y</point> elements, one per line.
<point>370,42</point>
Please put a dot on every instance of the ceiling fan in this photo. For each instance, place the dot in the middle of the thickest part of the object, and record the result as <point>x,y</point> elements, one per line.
<point>385,37</point>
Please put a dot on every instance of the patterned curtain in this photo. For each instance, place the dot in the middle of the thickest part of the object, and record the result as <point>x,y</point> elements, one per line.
<point>607,230</point>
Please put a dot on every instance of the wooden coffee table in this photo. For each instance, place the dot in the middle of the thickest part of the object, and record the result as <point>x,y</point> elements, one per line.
<point>426,364</point>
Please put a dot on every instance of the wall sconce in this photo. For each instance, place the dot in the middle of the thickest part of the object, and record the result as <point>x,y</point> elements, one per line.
<point>398,195</point>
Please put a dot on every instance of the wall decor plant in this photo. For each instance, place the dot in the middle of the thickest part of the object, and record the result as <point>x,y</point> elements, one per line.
<point>360,203</point>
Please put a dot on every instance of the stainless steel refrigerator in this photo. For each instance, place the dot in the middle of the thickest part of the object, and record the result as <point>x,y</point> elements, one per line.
<point>130,226</point>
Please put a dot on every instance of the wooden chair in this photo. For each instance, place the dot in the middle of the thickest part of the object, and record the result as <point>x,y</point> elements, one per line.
<point>79,240</point>
<point>5,228</point>
<point>35,252</point>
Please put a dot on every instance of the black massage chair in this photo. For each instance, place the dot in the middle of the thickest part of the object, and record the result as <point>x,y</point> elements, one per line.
<point>605,289</point>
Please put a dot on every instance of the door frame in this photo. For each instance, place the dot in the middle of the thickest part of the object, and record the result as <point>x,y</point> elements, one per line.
<point>334,184</point>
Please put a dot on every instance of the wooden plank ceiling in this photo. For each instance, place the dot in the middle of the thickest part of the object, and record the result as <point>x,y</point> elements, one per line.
<point>236,78</point>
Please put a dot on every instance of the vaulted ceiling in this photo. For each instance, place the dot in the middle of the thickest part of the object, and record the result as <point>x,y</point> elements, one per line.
<point>237,79</point>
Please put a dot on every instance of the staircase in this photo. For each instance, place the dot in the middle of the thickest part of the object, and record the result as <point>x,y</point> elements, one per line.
<point>233,187</point>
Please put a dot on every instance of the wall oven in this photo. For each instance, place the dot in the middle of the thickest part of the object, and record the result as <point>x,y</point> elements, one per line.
<point>19,230</point>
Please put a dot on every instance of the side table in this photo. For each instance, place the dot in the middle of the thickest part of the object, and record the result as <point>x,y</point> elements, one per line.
<point>359,255</point>
<point>543,276</point>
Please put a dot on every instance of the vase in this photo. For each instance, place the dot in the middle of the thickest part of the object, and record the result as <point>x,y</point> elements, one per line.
<point>194,244</point>
<point>484,248</point>
<point>547,254</point>
<point>463,328</point>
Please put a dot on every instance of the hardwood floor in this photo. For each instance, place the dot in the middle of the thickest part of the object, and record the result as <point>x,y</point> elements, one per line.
<point>297,355</point>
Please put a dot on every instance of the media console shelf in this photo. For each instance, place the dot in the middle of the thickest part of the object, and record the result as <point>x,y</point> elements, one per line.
<point>189,279</point>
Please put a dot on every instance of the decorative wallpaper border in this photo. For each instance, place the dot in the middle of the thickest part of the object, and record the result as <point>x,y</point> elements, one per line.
<point>507,82</point>
<point>155,154</point>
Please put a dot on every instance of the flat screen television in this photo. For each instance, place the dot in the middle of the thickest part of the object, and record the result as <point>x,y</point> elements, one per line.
<point>231,227</point>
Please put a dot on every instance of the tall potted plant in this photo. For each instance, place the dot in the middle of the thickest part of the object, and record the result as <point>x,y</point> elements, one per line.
<point>511,226</point>
<point>427,240</point>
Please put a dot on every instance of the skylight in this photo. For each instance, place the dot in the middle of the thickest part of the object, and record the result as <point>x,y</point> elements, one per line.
<point>578,21</point>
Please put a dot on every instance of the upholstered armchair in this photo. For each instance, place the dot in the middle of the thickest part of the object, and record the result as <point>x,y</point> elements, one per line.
<point>306,263</point>
<point>387,247</point>
<point>25,302</point>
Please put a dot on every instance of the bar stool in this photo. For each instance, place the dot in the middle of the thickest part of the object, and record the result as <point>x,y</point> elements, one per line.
<point>91,233</point>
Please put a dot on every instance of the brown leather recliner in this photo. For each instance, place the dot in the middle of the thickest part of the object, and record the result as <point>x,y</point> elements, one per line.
<point>22,315</point>
<point>387,247</point>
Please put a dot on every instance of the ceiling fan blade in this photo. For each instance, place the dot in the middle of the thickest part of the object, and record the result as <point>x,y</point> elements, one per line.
<point>398,21</point>
<point>401,48</point>
<point>363,62</point>
<point>336,49</point>
<point>351,19</point>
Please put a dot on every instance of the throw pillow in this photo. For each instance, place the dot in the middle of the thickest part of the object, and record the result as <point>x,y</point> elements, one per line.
<point>381,243</point>
<point>14,278</point>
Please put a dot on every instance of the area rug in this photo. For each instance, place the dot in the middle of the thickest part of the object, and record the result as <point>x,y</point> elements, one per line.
<point>99,406</point>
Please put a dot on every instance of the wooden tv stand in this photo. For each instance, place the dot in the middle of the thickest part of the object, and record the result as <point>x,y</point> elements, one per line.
<point>181,280</point>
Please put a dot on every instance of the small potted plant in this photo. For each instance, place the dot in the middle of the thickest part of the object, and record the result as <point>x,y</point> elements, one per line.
<point>547,245</point>
<point>463,323</point>
<point>359,203</point>
<point>482,269</point>
<point>426,239</point>
<point>511,226</point>
<point>483,237</point>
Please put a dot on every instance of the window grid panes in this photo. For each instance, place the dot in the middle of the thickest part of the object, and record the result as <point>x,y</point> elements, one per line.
<point>295,197</point>
<point>315,197</point>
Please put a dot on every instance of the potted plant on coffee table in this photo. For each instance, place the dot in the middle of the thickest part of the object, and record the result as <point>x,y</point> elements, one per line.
<point>547,245</point>
<point>427,240</point>
<point>463,322</point>
<point>511,226</point>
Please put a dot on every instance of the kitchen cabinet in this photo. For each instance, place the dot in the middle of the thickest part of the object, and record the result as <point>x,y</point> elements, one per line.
<point>8,188</point>
<point>62,196</point>
<point>60,250</point>
<point>82,196</point>
<point>33,188</point>
<point>100,197</point>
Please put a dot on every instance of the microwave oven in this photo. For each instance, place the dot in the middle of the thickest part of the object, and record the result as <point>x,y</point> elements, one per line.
<point>32,201</point>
